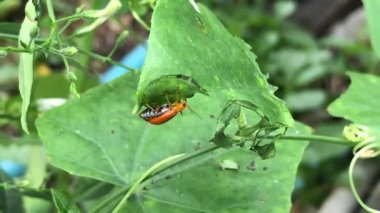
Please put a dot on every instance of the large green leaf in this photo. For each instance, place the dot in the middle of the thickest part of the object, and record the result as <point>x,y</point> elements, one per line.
<point>360,103</point>
<point>97,136</point>
<point>185,41</point>
<point>372,8</point>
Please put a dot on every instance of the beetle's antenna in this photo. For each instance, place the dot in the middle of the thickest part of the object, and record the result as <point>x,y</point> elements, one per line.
<point>193,111</point>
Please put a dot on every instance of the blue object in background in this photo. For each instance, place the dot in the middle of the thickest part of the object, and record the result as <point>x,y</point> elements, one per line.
<point>12,168</point>
<point>134,59</point>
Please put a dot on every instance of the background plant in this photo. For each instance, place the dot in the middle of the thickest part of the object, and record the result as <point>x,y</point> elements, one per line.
<point>137,171</point>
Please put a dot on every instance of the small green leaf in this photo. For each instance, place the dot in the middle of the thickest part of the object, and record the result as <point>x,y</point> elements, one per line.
<point>24,45</point>
<point>110,9</point>
<point>99,17</point>
<point>372,8</point>
<point>360,103</point>
<point>26,61</point>
<point>119,41</point>
<point>30,10</point>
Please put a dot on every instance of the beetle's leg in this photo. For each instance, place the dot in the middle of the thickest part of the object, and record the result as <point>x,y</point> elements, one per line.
<point>177,94</point>
<point>151,108</point>
<point>167,99</point>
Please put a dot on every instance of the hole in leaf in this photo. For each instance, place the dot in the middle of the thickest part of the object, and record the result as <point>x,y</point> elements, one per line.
<point>253,129</point>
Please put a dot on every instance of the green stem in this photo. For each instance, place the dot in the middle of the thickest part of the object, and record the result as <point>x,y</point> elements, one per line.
<point>138,18</point>
<point>8,36</point>
<point>184,158</point>
<point>212,147</point>
<point>71,18</point>
<point>50,9</point>
<point>110,198</point>
<point>149,172</point>
<point>315,138</point>
<point>55,34</point>
<point>14,49</point>
<point>105,59</point>
<point>351,175</point>
<point>15,37</point>
<point>64,27</point>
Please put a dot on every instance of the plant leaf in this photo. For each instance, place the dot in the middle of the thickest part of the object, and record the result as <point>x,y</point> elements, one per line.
<point>372,8</point>
<point>360,103</point>
<point>26,61</point>
<point>98,137</point>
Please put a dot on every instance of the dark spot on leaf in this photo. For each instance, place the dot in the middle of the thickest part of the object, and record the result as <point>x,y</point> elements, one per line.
<point>112,131</point>
<point>265,168</point>
<point>198,146</point>
<point>252,166</point>
<point>201,24</point>
<point>152,182</point>
<point>212,116</point>
<point>168,177</point>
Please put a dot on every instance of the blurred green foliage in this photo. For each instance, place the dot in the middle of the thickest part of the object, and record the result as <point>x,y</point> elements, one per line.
<point>296,62</point>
